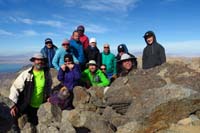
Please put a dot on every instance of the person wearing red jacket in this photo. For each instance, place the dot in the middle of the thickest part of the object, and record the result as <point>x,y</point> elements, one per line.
<point>83,38</point>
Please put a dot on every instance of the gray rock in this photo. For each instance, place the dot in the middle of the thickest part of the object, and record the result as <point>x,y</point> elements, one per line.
<point>89,120</point>
<point>48,113</point>
<point>66,126</point>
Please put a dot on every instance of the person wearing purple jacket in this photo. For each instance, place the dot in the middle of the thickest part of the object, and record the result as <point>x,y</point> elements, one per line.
<point>69,75</point>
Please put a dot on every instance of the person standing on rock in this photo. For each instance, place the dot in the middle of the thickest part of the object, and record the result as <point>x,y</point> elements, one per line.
<point>93,76</point>
<point>83,38</point>
<point>126,64</point>
<point>58,59</point>
<point>92,52</point>
<point>153,53</point>
<point>110,61</point>
<point>48,51</point>
<point>30,89</point>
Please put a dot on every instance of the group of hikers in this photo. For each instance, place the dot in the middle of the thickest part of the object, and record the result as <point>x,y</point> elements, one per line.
<point>79,62</point>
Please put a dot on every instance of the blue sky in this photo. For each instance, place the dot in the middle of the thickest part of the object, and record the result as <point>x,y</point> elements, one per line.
<point>24,24</point>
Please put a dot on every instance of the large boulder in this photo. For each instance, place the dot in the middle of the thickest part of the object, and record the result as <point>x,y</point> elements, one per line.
<point>90,120</point>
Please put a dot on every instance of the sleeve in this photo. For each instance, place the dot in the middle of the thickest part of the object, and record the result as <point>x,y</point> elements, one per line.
<point>75,59</point>
<point>144,66</point>
<point>61,75</point>
<point>104,81</point>
<point>162,55</point>
<point>55,60</point>
<point>115,65</point>
<point>17,87</point>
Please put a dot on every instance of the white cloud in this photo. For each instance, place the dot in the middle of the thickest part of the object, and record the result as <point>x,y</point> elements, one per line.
<point>96,28</point>
<point>26,20</point>
<point>50,23</point>
<point>30,33</point>
<point>103,5</point>
<point>6,33</point>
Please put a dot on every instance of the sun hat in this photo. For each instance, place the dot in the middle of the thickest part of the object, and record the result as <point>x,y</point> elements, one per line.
<point>92,62</point>
<point>125,57</point>
<point>37,56</point>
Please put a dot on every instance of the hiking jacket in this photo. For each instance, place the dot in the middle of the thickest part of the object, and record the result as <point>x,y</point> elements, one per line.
<point>58,59</point>
<point>49,54</point>
<point>70,78</point>
<point>78,50</point>
<point>153,55</point>
<point>98,79</point>
<point>84,40</point>
<point>110,61</point>
<point>92,53</point>
<point>22,89</point>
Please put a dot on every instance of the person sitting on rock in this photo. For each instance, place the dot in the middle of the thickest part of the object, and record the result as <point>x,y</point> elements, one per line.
<point>126,64</point>
<point>69,75</point>
<point>30,89</point>
<point>93,76</point>
<point>122,49</point>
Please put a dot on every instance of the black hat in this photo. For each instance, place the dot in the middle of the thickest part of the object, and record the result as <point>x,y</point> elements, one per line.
<point>121,48</point>
<point>148,34</point>
<point>69,57</point>
<point>81,28</point>
<point>48,40</point>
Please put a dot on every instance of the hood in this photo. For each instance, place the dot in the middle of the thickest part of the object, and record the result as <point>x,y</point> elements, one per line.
<point>150,33</point>
<point>122,47</point>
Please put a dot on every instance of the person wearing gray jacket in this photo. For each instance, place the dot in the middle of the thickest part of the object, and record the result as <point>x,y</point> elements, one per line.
<point>153,53</point>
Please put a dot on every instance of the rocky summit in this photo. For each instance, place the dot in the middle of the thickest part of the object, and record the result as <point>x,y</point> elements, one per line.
<point>158,100</point>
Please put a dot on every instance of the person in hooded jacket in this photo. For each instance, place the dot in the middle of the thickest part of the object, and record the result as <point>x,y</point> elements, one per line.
<point>48,51</point>
<point>153,53</point>
<point>92,52</point>
<point>83,38</point>
<point>122,49</point>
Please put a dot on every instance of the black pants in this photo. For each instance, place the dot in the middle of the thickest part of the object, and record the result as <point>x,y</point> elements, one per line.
<point>31,113</point>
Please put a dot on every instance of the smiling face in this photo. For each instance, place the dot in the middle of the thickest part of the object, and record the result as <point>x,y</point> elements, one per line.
<point>127,64</point>
<point>76,35</point>
<point>92,68</point>
<point>150,40</point>
<point>38,64</point>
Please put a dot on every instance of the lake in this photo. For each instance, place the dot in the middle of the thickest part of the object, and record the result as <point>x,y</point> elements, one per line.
<point>4,68</point>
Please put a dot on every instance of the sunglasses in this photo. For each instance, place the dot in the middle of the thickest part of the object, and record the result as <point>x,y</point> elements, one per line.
<point>103,68</point>
<point>65,44</point>
<point>106,47</point>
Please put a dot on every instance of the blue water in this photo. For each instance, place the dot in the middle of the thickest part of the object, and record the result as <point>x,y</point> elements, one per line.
<point>4,68</point>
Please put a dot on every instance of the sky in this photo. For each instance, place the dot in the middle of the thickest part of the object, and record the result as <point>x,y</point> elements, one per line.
<point>24,24</point>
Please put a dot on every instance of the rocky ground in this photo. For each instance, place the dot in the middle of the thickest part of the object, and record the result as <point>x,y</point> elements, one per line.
<point>165,99</point>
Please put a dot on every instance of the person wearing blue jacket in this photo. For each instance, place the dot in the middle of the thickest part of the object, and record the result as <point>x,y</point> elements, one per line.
<point>77,47</point>
<point>69,75</point>
<point>58,59</point>
<point>48,51</point>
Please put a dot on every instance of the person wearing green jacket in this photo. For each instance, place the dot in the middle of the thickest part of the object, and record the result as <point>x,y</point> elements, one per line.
<point>92,76</point>
<point>110,61</point>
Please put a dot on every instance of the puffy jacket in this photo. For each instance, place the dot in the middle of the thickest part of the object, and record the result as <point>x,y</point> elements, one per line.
<point>58,59</point>
<point>98,79</point>
<point>110,61</point>
<point>70,78</point>
<point>49,54</point>
<point>78,50</point>
<point>92,53</point>
<point>22,89</point>
<point>153,55</point>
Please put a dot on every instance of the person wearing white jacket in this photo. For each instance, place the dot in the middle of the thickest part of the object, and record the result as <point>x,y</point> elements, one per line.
<point>30,89</point>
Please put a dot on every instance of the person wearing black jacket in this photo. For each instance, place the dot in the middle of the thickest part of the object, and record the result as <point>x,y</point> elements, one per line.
<point>92,52</point>
<point>153,53</point>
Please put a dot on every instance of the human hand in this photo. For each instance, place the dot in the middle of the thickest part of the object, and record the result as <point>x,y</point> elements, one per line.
<point>14,110</point>
<point>70,66</point>
<point>63,67</point>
